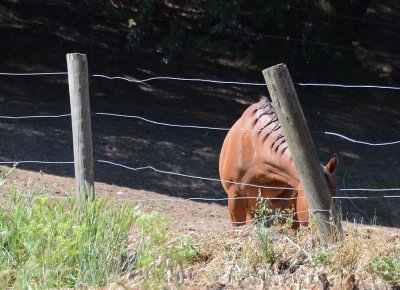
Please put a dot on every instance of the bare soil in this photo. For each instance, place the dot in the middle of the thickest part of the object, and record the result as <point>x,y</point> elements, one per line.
<point>182,213</point>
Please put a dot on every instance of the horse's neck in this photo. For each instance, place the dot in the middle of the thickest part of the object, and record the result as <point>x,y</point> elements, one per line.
<point>285,170</point>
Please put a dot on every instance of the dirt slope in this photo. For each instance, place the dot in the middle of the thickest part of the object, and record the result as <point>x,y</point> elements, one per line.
<point>183,214</point>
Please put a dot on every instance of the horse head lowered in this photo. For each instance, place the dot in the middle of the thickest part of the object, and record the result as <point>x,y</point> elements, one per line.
<point>256,161</point>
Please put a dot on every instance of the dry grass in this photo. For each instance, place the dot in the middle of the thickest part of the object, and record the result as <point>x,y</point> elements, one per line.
<point>233,259</point>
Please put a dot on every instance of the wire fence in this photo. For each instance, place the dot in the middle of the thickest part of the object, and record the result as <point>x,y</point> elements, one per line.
<point>208,128</point>
<point>152,168</point>
<point>240,83</point>
<point>35,117</point>
<point>197,126</point>
<point>243,184</point>
<point>207,81</point>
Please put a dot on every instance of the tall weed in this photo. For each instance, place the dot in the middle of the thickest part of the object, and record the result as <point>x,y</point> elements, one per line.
<point>154,248</point>
<point>47,244</point>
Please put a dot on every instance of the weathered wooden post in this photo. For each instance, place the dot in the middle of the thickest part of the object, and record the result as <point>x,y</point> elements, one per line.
<point>81,125</point>
<point>294,126</point>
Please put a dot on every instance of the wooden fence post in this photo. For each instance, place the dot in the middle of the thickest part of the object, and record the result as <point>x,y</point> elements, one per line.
<point>294,126</point>
<point>81,125</point>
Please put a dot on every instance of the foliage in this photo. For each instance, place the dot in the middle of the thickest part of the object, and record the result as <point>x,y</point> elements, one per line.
<point>387,268</point>
<point>222,16</point>
<point>255,32</point>
<point>244,28</point>
<point>261,221</point>
<point>139,26</point>
<point>239,27</point>
<point>321,258</point>
<point>154,249</point>
<point>61,244</point>
<point>265,243</point>
<point>48,244</point>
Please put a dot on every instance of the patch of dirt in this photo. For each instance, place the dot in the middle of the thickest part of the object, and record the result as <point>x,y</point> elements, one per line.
<point>183,214</point>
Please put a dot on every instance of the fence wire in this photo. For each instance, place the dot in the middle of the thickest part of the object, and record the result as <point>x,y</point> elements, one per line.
<point>205,80</point>
<point>35,116</point>
<point>219,180</point>
<point>33,74</point>
<point>195,126</point>
<point>249,184</point>
<point>237,129</point>
<point>238,83</point>
<point>208,128</point>
<point>36,162</point>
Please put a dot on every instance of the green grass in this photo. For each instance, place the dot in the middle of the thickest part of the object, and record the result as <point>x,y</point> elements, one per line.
<point>387,268</point>
<point>47,244</point>
<point>154,248</point>
<point>60,244</point>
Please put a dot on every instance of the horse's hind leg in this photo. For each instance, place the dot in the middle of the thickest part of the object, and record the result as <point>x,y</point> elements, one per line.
<point>237,208</point>
<point>237,211</point>
<point>249,217</point>
<point>302,213</point>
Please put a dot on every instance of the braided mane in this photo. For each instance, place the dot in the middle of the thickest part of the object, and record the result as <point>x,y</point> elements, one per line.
<point>268,127</point>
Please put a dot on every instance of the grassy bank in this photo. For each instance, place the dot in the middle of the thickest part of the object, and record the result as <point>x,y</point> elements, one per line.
<point>47,243</point>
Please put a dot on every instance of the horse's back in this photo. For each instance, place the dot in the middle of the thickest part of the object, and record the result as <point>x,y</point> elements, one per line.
<point>238,148</point>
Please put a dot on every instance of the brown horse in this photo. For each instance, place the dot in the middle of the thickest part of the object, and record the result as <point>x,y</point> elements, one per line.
<point>255,153</point>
